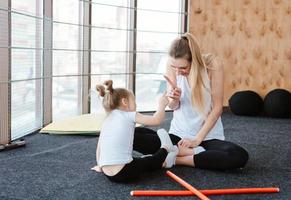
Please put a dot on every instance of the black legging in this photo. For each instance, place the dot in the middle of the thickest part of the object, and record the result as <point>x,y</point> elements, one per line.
<point>218,154</point>
<point>132,171</point>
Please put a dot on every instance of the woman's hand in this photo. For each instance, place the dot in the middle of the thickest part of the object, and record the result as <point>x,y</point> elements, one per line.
<point>185,143</point>
<point>196,142</point>
<point>175,94</point>
<point>190,143</point>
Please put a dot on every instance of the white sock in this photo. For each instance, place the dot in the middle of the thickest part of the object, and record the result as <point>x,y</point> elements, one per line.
<point>171,157</point>
<point>165,139</point>
<point>198,149</point>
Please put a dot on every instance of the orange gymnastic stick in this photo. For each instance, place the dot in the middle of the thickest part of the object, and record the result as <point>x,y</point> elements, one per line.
<point>205,192</point>
<point>187,185</point>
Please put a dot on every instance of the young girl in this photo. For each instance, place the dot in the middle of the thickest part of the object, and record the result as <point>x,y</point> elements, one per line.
<point>115,145</point>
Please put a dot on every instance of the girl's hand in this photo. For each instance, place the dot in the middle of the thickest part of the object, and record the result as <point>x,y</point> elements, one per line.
<point>175,94</point>
<point>96,168</point>
<point>163,102</point>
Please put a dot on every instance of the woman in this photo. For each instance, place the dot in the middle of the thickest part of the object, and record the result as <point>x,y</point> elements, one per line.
<point>197,101</point>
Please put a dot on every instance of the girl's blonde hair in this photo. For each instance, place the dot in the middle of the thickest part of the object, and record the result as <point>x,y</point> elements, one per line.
<point>187,47</point>
<point>112,97</point>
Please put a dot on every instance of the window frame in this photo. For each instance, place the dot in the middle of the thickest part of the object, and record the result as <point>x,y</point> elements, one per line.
<point>5,77</point>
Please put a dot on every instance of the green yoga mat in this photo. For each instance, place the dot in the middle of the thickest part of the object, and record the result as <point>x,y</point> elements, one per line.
<point>87,124</point>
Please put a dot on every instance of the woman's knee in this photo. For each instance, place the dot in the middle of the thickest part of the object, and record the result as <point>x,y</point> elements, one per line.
<point>238,156</point>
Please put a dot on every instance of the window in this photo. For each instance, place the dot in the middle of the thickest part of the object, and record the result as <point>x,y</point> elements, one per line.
<point>26,63</point>
<point>126,41</point>
<point>109,45</point>
<point>67,58</point>
<point>158,24</point>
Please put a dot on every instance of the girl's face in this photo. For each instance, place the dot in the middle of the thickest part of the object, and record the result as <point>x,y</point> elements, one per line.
<point>180,65</point>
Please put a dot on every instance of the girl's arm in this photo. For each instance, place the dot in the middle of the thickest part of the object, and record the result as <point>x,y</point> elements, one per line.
<point>216,80</point>
<point>96,167</point>
<point>173,102</point>
<point>97,152</point>
<point>157,117</point>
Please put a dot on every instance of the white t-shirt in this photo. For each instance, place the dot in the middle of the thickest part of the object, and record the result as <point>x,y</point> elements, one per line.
<point>116,138</point>
<point>187,121</point>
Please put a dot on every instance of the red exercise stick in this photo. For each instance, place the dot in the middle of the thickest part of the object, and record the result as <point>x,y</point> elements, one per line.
<point>188,186</point>
<point>205,192</point>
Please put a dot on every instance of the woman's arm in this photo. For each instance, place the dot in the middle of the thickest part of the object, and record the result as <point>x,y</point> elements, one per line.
<point>216,81</point>
<point>157,117</point>
<point>174,101</point>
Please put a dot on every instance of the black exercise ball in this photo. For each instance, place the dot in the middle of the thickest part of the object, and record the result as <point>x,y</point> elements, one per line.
<point>247,103</point>
<point>277,103</point>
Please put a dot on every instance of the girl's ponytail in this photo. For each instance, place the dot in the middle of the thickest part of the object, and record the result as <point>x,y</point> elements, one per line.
<point>101,90</point>
<point>111,97</point>
<point>109,86</point>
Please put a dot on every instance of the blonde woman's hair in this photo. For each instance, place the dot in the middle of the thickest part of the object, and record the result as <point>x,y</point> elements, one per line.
<point>187,47</point>
<point>112,97</point>
<point>211,61</point>
<point>208,60</point>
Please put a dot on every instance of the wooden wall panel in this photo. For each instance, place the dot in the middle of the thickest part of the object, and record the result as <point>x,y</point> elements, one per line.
<point>253,38</point>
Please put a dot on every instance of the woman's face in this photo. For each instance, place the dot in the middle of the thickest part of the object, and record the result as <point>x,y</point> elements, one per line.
<point>180,65</point>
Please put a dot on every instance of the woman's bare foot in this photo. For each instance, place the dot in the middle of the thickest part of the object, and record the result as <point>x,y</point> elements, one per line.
<point>185,160</point>
<point>96,168</point>
<point>186,155</point>
<point>185,151</point>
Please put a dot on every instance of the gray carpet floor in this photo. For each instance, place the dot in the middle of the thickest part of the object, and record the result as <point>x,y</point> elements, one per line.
<point>58,167</point>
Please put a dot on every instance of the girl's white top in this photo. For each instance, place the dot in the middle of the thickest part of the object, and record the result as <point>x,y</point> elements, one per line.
<point>187,121</point>
<point>116,138</point>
